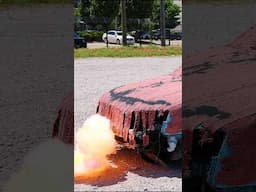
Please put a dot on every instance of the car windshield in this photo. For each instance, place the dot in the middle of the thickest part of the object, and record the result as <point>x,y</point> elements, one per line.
<point>119,33</point>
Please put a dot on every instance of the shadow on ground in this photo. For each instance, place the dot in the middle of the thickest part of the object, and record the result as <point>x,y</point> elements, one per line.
<point>125,161</point>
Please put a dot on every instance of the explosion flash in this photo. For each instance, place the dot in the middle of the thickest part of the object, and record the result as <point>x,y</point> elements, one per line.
<point>93,142</point>
<point>47,164</point>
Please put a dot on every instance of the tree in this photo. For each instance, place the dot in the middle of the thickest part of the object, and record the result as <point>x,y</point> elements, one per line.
<point>139,8</point>
<point>172,12</point>
<point>138,11</point>
<point>104,11</point>
<point>85,8</point>
<point>77,9</point>
<point>77,14</point>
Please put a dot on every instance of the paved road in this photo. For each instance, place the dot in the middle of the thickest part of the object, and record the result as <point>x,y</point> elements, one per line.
<point>93,77</point>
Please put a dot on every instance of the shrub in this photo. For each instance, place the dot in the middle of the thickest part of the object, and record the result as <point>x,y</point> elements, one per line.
<point>91,35</point>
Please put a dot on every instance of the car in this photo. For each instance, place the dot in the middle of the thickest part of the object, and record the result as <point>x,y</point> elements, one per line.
<point>156,34</point>
<point>219,117</point>
<point>168,35</point>
<point>146,116</point>
<point>218,126</point>
<point>145,35</point>
<point>141,35</point>
<point>63,126</point>
<point>175,36</point>
<point>79,42</point>
<point>116,37</point>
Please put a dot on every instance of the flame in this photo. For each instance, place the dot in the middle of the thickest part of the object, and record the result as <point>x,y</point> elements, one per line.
<point>93,142</point>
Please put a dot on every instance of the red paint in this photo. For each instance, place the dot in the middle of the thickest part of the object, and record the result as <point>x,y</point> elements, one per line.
<point>63,127</point>
<point>239,167</point>
<point>145,140</point>
<point>212,68</point>
<point>143,99</point>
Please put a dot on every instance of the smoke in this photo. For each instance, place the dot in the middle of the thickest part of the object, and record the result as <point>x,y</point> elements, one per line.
<point>93,142</point>
<point>45,168</point>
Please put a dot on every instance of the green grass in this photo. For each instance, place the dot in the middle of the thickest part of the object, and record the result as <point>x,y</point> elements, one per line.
<point>128,52</point>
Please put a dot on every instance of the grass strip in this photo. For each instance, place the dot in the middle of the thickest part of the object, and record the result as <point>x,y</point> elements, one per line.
<point>133,51</point>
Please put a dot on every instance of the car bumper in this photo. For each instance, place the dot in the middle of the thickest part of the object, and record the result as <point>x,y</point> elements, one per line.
<point>130,42</point>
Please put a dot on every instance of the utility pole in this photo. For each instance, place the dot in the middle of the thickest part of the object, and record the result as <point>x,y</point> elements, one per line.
<point>162,22</point>
<point>124,25</point>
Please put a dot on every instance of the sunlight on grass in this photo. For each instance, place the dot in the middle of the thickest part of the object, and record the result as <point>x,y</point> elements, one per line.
<point>128,52</point>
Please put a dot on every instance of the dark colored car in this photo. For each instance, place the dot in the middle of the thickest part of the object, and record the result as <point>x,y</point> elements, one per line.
<point>175,36</point>
<point>168,35</point>
<point>156,34</point>
<point>79,42</point>
<point>140,35</point>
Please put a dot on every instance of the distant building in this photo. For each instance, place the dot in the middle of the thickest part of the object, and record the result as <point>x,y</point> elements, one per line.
<point>177,29</point>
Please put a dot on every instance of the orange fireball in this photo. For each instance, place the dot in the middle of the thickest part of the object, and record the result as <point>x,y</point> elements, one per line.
<point>93,142</point>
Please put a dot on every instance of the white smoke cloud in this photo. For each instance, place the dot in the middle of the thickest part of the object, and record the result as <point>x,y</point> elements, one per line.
<point>45,169</point>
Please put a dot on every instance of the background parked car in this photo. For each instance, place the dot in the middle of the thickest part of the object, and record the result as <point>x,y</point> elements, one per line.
<point>168,35</point>
<point>176,36</point>
<point>116,37</point>
<point>141,35</point>
<point>79,41</point>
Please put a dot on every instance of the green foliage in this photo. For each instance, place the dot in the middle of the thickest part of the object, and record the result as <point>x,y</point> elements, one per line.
<point>101,12</point>
<point>139,8</point>
<point>77,10</point>
<point>91,35</point>
<point>141,14</point>
<point>104,8</point>
<point>85,8</point>
<point>172,12</point>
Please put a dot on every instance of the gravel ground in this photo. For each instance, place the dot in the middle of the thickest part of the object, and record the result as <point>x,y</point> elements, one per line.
<point>93,77</point>
<point>198,32</point>
<point>32,41</point>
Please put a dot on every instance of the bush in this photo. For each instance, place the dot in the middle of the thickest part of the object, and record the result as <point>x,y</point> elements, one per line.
<point>91,35</point>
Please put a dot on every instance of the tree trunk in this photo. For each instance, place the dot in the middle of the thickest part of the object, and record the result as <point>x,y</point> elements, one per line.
<point>124,24</point>
<point>162,22</point>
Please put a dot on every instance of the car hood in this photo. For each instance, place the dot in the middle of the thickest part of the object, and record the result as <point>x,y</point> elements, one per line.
<point>143,101</point>
<point>212,104</point>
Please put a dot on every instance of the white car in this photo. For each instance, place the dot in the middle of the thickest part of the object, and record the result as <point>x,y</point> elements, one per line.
<point>117,37</point>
